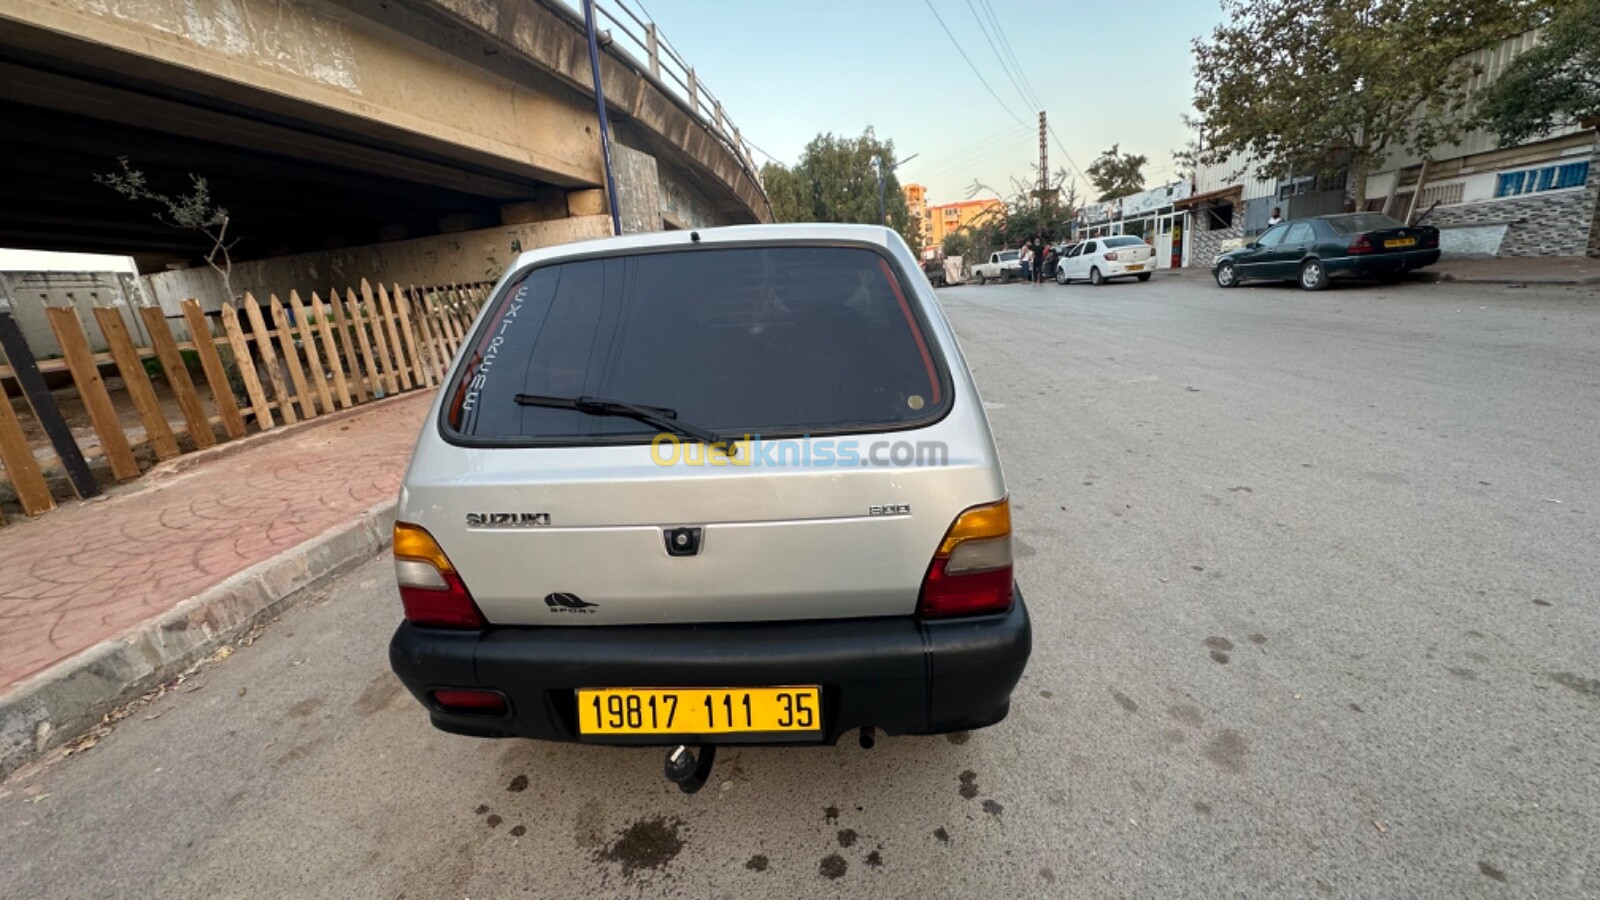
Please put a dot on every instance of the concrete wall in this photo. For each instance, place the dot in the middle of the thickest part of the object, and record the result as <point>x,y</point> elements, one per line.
<point>467,256</point>
<point>684,207</point>
<point>342,68</point>
<point>638,189</point>
<point>1472,240</point>
<point>31,292</point>
<point>679,139</point>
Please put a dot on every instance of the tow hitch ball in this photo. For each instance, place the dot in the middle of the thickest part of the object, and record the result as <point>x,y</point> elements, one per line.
<point>690,772</point>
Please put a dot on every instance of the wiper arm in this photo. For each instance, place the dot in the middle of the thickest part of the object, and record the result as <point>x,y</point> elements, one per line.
<point>659,416</point>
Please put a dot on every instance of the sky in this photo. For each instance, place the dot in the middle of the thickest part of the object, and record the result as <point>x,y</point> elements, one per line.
<point>1105,74</point>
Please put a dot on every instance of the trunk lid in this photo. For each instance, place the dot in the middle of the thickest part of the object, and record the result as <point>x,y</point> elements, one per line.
<point>868,439</point>
<point>570,537</point>
<point>1396,240</point>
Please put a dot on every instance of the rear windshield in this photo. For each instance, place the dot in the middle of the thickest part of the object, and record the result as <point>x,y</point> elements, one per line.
<point>1009,255</point>
<point>1124,241</point>
<point>775,341</point>
<point>1359,222</point>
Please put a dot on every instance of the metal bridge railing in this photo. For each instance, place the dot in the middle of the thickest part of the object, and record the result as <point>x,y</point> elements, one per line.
<point>631,37</point>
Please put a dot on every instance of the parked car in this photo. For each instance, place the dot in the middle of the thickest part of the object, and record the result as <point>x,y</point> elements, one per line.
<point>657,565</point>
<point>1099,260</point>
<point>1057,253</point>
<point>1315,251</point>
<point>934,269</point>
<point>1003,265</point>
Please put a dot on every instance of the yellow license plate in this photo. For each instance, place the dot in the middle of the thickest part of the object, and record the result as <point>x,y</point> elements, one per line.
<point>1401,242</point>
<point>693,711</point>
<point>1135,268</point>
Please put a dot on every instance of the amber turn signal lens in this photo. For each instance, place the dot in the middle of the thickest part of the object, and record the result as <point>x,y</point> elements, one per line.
<point>992,520</point>
<point>414,542</point>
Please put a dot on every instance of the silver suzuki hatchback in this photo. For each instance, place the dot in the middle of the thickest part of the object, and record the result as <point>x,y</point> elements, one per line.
<point>700,488</point>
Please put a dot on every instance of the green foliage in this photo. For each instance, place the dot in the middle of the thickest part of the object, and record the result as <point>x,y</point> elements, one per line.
<point>152,368</point>
<point>1318,88</point>
<point>960,243</point>
<point>191,361</point>
<point>1116,174</point>
<point>1023,215</point>
<point>193,211</point>
<point>1555,84</point>
<point>835,182</point>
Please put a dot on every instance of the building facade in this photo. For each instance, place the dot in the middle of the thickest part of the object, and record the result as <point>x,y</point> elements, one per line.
<point>1153,214</point>
<point>1538,198</point>
<point>947,219</point>
<point>917,205</point>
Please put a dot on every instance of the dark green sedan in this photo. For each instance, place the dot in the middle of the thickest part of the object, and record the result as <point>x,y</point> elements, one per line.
<point>1315,251</point>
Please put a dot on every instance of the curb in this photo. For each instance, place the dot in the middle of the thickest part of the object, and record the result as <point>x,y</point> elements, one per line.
<point>1446,276</point>
<point>64,701</point>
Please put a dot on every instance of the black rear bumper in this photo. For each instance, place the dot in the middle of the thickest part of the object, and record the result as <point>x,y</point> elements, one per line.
<point>900,675</point>
<point>1379,264</point>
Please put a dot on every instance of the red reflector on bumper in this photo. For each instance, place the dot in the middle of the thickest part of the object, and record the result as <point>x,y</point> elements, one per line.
<point>462,700</point>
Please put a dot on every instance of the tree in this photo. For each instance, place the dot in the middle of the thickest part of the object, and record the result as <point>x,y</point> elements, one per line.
<point>1023,215</point>
<point>1116,174</point>
<point>783,191</point>
<point>1552,85</point>
<point>1331,86</point>
<point>835,182</point>
<point>193,211</point>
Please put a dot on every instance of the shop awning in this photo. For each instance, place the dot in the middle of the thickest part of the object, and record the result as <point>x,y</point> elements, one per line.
<point>1232,194</point>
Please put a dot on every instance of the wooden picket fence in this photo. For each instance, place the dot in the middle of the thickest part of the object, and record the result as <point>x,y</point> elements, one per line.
<point>317,356</point>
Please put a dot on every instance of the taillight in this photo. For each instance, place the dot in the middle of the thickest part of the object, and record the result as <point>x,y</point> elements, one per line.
<point>1362,244</point>
<point>430,590</point>
<point>1112,255</point>
<point>1430,240</point>
<point>470,701</point>
<point>971,571</point>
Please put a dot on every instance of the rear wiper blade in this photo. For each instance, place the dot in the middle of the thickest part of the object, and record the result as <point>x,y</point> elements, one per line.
<point>659,416</point>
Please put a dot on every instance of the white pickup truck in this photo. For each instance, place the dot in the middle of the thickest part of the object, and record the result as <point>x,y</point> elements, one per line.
<point>1002,266</point>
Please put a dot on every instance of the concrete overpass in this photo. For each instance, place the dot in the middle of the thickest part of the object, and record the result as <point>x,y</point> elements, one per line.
<point>422,140</point>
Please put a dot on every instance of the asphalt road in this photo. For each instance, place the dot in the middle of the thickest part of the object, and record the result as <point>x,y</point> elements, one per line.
<point>1314,581</point>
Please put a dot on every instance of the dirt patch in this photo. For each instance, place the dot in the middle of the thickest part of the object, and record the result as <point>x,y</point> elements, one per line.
<point>649,844</point>
<point>833,866</point>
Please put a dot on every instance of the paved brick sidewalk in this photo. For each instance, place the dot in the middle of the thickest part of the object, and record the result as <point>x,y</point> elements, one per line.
<point>86,573</point>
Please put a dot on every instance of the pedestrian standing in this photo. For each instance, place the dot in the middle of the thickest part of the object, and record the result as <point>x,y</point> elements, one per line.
<point>1027,262</point>
<point>1039,254</point>
<point>1275,218</point>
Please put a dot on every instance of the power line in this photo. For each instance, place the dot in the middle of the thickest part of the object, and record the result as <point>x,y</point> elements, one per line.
<point>946,160</point>
<point>974,68</point>
<point>948,168</point>
<point>764,153</point>
<point>1070,161</point>
<point>997,54</point>
<point>1005,42</point>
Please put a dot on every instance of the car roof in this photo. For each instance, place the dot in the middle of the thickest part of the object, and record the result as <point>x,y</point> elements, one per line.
<point>729,234</point>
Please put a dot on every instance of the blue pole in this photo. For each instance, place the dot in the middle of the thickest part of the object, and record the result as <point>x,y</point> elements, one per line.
<point>600,105</point>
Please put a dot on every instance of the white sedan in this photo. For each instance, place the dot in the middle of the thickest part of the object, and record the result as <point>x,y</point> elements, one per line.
<point>1098,260</point>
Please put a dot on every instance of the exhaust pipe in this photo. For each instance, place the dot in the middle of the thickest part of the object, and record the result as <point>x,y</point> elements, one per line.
<point>869,737</point>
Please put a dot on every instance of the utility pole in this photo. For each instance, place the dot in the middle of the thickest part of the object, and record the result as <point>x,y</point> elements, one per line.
<point>877,167</point>
<point>600,113</point>
<point>1044,160</point>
